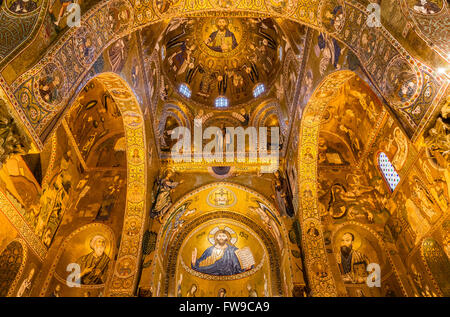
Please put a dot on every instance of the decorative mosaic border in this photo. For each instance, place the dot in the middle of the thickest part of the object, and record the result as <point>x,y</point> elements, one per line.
<point>14,216</point>
<point>432,28</point>
<point>130,249</point>
<point>314,248</point>
<point>22,267</point>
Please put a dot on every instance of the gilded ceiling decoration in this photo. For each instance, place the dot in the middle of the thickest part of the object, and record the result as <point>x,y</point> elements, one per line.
<point>380,56</point>
<point>225,57</point>
<point>12,139</point>
<point>195,222</point>
<point>19,21</point>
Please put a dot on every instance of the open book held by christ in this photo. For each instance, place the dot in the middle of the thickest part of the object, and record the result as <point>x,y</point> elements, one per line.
<point>245,257</point>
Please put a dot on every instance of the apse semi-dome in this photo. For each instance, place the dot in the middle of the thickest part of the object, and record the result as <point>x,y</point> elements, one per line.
<point>223,58</point>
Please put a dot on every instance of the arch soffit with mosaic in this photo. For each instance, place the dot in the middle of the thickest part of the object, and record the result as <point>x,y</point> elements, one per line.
<point>265,109</point>
<point>432,27</point>
<point>130,245</point>
<point>213,185</point>
<point>177,111</point>
<point>310,128</point>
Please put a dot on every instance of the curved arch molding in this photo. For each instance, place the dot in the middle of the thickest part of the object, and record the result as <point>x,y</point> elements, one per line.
<point>18,30</point>
<point>131,241</point>
<point>314,248</point>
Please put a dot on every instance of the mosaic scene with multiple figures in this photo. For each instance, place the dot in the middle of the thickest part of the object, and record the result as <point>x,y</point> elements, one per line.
<point>238,148</point>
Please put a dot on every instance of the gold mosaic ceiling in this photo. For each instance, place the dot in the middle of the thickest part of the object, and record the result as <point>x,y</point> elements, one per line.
<point>225,57</point>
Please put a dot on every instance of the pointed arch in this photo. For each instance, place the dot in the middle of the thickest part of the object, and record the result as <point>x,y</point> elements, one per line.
<point>321,280</point>
<point>170,241</point>
<point>136,183</point>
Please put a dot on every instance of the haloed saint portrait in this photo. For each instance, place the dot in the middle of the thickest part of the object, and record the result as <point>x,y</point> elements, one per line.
<point>222,257</point>
<point>85,259</point>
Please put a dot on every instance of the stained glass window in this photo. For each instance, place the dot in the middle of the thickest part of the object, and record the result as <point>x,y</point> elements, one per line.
<point>388,170</point>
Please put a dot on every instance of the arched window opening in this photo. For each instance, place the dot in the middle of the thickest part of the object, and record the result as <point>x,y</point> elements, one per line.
<point>258,90</point>
<point>388,171</point>
<point>221,102</point>
<point>185,90</point>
